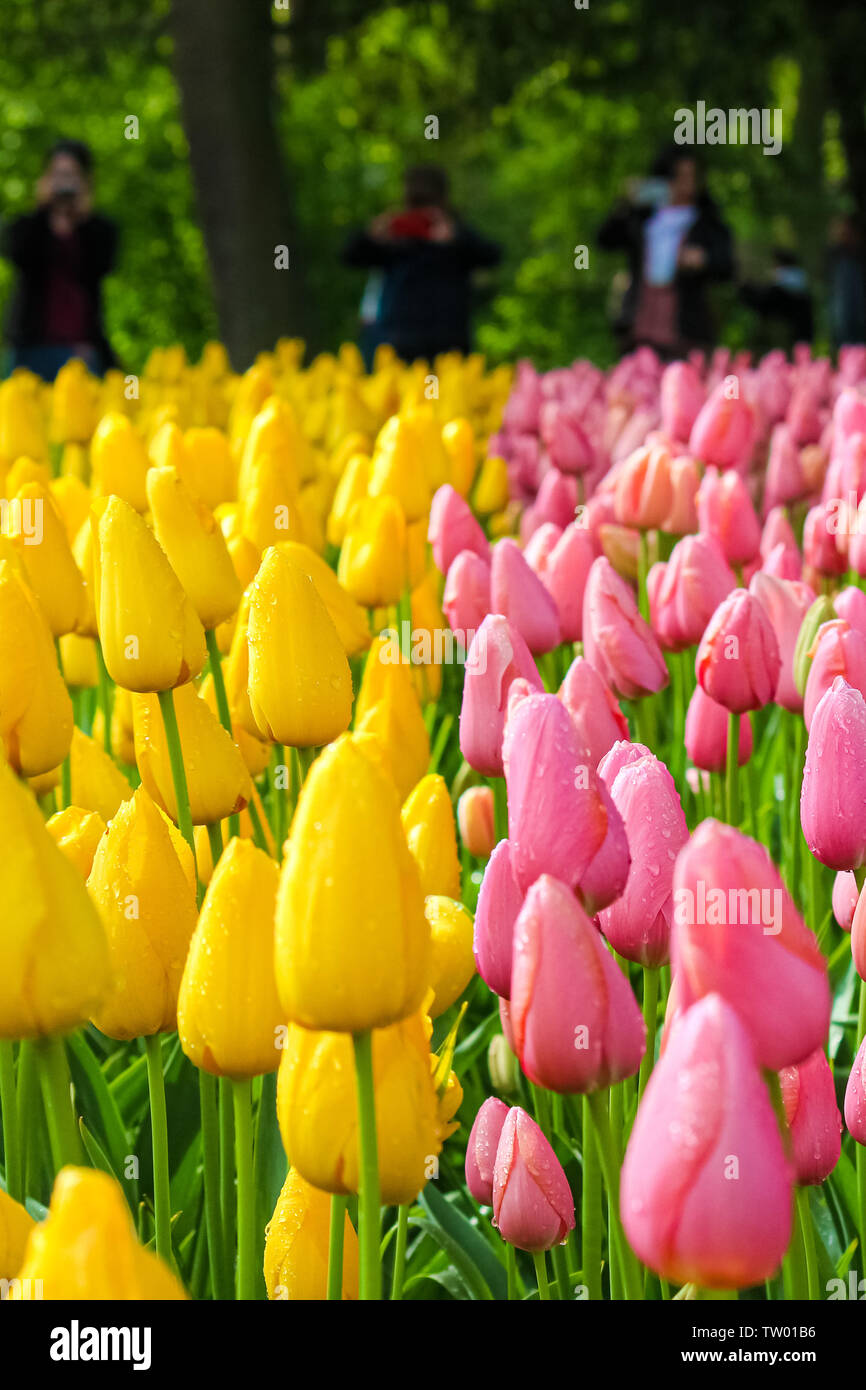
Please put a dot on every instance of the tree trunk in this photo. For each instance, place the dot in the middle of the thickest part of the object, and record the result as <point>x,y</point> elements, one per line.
<point>224,70</point>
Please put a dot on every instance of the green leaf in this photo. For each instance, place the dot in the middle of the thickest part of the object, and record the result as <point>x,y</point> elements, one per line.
<point>463,1237</point>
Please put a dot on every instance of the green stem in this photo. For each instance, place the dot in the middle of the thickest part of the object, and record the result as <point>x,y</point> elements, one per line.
<point>642,572</point>
<point>207,1090</point>
<point>178,771</point>
<point>65,767</point>
<point>9,1106</point>
<point>560,1270</point>
<point>590,1209</point>
<point>335,1247</point>
<point>60,1117</point>
<point>279,802</point>
<point>650,1014</point>
<point>222,704</point>
<point>794,831</point>
<point>368,1171</point>
<point>541,1276</point>
<point>159,1129</point>
<point>215,839</point>
<point>400,1253</point>
<point>104,696</point>
<point>29,1117</point>
<point>243,1112</point>
<point>227,1168</point>
<point>511,1271</point>
<point>808,1235</point>
<point>608,1152</point>
<point>500,808</point>
<point>259,837</point>
<point>732,790</point>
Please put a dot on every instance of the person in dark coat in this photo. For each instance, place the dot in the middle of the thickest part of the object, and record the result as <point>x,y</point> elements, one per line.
<point>425,256</point>
<point>846,281</point>
<point>783,304</point>
<point>677,243</point>
<point>62,252</point>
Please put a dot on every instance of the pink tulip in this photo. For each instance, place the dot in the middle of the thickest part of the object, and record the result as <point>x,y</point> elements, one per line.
<point>556,499</point>
<point>565,576</point>
<point>556,816</point>
<point>505,1020</point>
<point>687,590</point>
<point>838,650</point>
<point>777,531</point>
<point>616,640</point>
<point>466,597</point>
<point>850,604</point>
<point>784,479</point>
<point>607,874</point>
<point>706,1188</point>
<point>519,594</point>
<point>785,604</point>
<point>724,432</point>
<point>833,796</point>
<point>783,562</point>
<point>638,923</point>
<point>481,1149</point>
<point>621,755</point>
<point>682,518</point>
<point>644,492</point>
<point>567,442</point>
<point>845,895</point>
<point>737,933</point>
<point>707,734</point>
<point>815,1124</point>
<point>855,1097</point>
<point>497,656</point>
<point>858,935</point>
<point>453,528</point>
<point>524,404</point>
<point>475,821</point>
<point>725,511</point>
<point>682,395</point>
<point>738,661</point>
<point>594,710</point>
<point>821,534</point>
<point>576,1023</point>
<point>539,546</point>
<point>533,1208</point>
<point>497,910</point>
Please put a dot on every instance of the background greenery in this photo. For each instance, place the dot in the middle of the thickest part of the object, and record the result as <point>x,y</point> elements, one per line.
<point>544,110</point>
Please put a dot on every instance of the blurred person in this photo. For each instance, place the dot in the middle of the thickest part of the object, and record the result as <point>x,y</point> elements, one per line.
<point>62,252</point>
<point>846,282</point>
<point>426,255</point>
<point>676,243</point>
<point>784,303</point>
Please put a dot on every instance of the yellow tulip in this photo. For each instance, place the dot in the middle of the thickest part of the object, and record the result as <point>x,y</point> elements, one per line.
<point>246,557</point>
<point>352,942</point>
<point>453,961</point>
<point>140,882</point>
<point>80,664</point>
<point>300,686</point>
<point>350,489</point>
<point>53,951</point>
<point>318,1112</point>
<point>72,498</point>
<point>348,617</point>
<point>491,490</point>
<point>35,708</point>
<point>296,1245</point>
<point>52,573</point>
<point>373,561</point>
<point>397,469</point>
<point>459,441</point>
<point>72,404</point>
<point>274,433</point>
<point>151,635</point>
<point>16,1223</point>
<point>425,424</point>
<point>118,460</point>
<point>388,707</point>
<point>86,1248</point>
<point>269,504</point>
<point>95,781</point>
<point>195,546</point>
<point>167,449</point>
<point>255,753</point>
<point>77,833</point>
<point>212,473</point>
<point>428,822</point>
<point>24,471</point>
<point>22,431</point>
<point>228,1014</point>
<point>217,778</point>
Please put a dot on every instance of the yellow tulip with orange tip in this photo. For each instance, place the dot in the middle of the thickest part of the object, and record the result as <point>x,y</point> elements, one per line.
<point>35,709</point>
<point>300,686</point>
<point>22,431</point>
<point>351,940</point>
<point>318,1113</point>
<point>16,1223</point>
<point>458,438</point>
<point>118,460</point>
<point>453,961</point>
<point>211,471</point>
<point>142,885</point>
<point>54,577</point>
<point>228,1014</point>
<point>77,832</point>
<point>397,469</point>
<point>151,635</point>
<point>218,782</point>
<point>297,1242</point>
<point>373,561</point>
<point>54,962</point>
<point>196,549</point>
<point>348,617</point>
<point>428,823</point>
<point>95,782</point>
<point>352,486</point>
<point>86,1248</point>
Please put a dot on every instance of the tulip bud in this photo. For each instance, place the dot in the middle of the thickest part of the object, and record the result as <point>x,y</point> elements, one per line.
<point>350,489</point>
<point>36,716</point>
<point>150,633</point>
<point>491,490</point>
<point>838,650</point>
<point>502,1064</point>
<point>481,1149</point>
<point>833,795</point>
<point>520,595</point>
<point>738,661</point>
<point>786,603</point>
<point>300,686</point>
<point>724,429</point>
<point>616,640</point>
<point>86,1248</point>
<point>218,783</point>
<point>706,734</point>
<point>95,781</point>
<point>820,612</point>
<point>845,897</point>
<point>814,1122</point>
<point>452,963</point>
<point>195,546</point>
<point>118,461</point>
<point>372,565</point>
<point>211,472</point>
<point>348,617</point>
<point>855,1097</point>
<point>48,564</point>
<point>533,1207</point>
<point>706,1119</point>
<point>453,528</point>
<point>297,1239</point>
<point>352,942</point>
<point>77,833</point>
<point>686,591</point>
<point>53,952</point>
<point>395,470</point>
<point>228,1014</point>
<point>726,512</point>
<point>22,432</point>
<point>142,883</point>
<point>16,1223</point>
<point>643,492</point>
<point>498,655</point>
<point>394,720</point>
<point>594,710</point>
<point>428,824</point>
<point>475,821</point>
<point>681,396</point>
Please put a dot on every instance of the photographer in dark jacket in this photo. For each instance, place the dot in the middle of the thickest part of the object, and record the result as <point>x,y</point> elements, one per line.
<point>61,252</point>
<point>676,244</point>
<point>426,257</point>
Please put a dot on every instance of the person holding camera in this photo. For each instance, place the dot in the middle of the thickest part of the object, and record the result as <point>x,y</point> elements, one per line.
<point>62,252</point>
